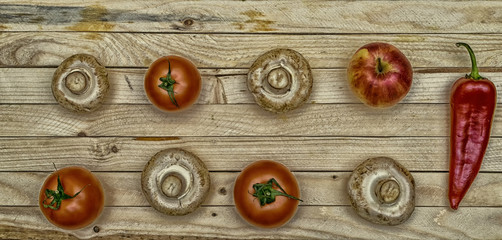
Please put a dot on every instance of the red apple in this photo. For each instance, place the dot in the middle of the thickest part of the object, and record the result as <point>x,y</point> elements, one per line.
<point>380,75</point>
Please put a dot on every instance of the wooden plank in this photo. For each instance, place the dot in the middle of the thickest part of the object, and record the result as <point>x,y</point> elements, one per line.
<point>230,120</point>
<point>234,153</point>
<point>317,189</point>
<point>315,222</point>
<point>253,16</point>
<point>222,86</point>
<point>25,49</point>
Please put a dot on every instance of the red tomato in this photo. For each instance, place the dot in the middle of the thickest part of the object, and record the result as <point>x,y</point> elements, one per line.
<point>76,212</point>
<point>179,94</point>
<point>273,214</point>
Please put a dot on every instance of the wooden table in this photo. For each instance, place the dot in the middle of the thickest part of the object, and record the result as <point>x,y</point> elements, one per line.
<point>322,142</point>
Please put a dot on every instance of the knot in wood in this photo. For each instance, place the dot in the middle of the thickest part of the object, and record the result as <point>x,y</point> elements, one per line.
<point>188,22</point>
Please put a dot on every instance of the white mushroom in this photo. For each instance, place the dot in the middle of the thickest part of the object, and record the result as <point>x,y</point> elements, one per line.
<point>280,80</point>
<point>382,191</point>
<point>175,182</point>
<point>80,83</point>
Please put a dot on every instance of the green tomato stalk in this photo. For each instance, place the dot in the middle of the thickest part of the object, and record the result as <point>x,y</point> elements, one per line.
<point>266,193</point>
<point>168,85</point>
<point>58,196</point>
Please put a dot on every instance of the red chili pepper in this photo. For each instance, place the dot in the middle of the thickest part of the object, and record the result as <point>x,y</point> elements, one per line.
<point>472,104</point>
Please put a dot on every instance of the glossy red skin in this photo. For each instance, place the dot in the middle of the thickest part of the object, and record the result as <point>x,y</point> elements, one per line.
<point>472,104</point>
<point>186,90</point>
<point>380,89</point>
<point>271,215</point>
<point>81,210</point>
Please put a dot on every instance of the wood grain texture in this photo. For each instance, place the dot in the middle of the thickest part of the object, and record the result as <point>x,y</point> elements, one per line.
<point>14,232</point>
<point>234,153</point>
<point>317,189</point>
<point>312,222</point>
<point>230,120</point>
<point>253,16</point>
<point>322,141</point>
<point>229,86</point>
<point>238,50</point>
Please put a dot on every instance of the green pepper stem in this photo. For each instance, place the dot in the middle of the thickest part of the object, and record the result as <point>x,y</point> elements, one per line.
<point>474,71</point>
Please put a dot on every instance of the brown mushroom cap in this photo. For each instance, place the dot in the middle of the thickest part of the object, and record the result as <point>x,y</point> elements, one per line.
<point>175,182</point>
<point>280,80</point>
<point>382,191</point>
<point>80,83</point>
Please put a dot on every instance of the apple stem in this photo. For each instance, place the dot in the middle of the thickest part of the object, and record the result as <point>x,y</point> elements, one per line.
<point>379,65</point>
<point>474,72</point>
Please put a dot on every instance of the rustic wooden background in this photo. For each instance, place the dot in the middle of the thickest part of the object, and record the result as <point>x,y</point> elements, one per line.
<point>321,142</point>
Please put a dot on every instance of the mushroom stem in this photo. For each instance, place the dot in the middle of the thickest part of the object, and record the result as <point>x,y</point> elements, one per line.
<point>387,191</point>
<point>77,82</point>
<point>278,78</point>
<point>171,186</point>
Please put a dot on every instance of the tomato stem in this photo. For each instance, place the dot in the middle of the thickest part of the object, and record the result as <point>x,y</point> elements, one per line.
<point>58,195</point>
<point>168,85</point>
<point>474,71</point>
<point>266,193</point>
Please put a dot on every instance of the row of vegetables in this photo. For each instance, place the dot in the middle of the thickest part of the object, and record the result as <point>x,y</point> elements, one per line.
<point>266,194</point>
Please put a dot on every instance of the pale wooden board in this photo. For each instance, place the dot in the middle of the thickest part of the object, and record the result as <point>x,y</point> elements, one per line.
<point>310,222</point>
<point>317,189</point>
<point>253,16</point>
<point>234,153</point>
<point>25,49</point>
<point>221,86</point>
<point>231,120</point>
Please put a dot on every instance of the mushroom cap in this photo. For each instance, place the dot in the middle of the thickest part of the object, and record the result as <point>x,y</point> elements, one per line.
<point>280,80</point>
<point>382,191</point>
<point>80,83</point>
<point>175,182</point>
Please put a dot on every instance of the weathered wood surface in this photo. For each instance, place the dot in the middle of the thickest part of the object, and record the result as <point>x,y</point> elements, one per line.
<point>253,16</point>
<point>30,49</point>
<point>322,142</point>
<point>233,153</point>
<point>231,120</point>
<point>310,222</point>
